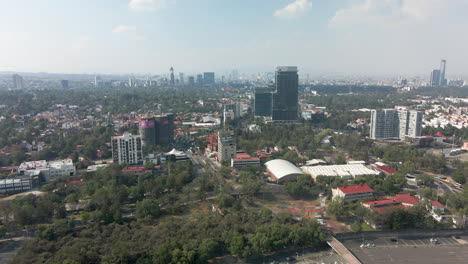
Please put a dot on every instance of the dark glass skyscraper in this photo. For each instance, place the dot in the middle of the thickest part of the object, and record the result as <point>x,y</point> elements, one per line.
<point>263,101</point>
<point>285,98</point>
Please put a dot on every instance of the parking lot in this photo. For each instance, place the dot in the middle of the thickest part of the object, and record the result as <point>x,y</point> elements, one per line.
<point>408,249</point>
<point>421,255</point>
<point>401,242</point>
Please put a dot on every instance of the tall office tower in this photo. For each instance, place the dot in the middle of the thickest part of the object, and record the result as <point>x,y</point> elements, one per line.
<point>435,78</point>
<point>172,81</point>
<point>164,129</point>
<point>147,129</point>
<point>64,84</point>
<point>127,149</point>
<point>131,82</point>
<point>226,145</point>
<point>97,81</point>
<point>285,98</point>
<point>18,82</point>
<point>391,123</point>
<point>442,80</point>
<point>263,102</point>
<point>208,78</point>
<point>200,79</point>
<point>191,80</point>
<point>235,75</point>
<point>181,78</point>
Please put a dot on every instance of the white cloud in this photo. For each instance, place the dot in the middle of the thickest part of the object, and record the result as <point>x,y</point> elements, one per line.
<point>147,5</point>
<point>293,9</point>
<point>123,29</point>
<point>378,12</point>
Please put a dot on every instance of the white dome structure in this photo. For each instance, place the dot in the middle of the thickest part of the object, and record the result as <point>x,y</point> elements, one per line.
<point>282,170</point>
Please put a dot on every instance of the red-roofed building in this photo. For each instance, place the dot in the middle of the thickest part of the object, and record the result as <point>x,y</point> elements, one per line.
<point>380,203</point>
<point>385,169</point>
<point>353,192</point>
<point>382,209</point>
<point>136,170</point>
<point>437,206</point>
<point>263,154</point>
<point>407,199</point>
<point>400,200</point>
<point>439,137</point>
<point>244,160</point>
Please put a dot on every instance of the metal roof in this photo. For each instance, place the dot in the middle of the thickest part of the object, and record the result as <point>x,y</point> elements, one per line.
<point>281,168</point>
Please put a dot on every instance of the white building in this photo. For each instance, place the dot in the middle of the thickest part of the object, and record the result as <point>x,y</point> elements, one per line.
<point>127,149</point>
<point>282,170</point>
<point>50,170</point>
<point>348,171</point>
<point>226,146</point>
<point>391,123</point>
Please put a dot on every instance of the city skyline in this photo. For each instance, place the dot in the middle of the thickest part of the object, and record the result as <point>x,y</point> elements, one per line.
<point>366,37</point>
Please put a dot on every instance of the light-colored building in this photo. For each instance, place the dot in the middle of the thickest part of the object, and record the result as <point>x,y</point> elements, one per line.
<point>347,171</point>
<point>18,82</point>
<point>353,192</point>
<point>226,146</point>
<point>127,149</point>
<point>282,170</point>
<point>392,123</point>
<point>50,170</point>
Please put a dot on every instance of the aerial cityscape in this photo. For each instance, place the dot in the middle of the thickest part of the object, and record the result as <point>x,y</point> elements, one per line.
<point>160,131</point>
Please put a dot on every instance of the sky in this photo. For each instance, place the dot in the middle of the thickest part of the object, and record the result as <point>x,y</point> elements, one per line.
<point>396,37</point>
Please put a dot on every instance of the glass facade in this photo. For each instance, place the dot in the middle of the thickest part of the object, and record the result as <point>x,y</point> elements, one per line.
<point>263,101</point>
<point>285,98</point>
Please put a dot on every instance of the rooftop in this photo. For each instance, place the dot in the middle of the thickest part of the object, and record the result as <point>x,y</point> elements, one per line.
<point>355,189</point>
<point>381,202</point>
<point>407,198</point>
<point>437,204</point>
<point>353,170</point>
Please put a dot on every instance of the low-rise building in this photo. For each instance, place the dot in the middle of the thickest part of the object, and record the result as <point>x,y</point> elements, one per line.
<point>282,170</point>
<point>348,171</point>
<point>244,160</point>
<point>353,192</point>
<point>19,184</point>
<point>50,170</point>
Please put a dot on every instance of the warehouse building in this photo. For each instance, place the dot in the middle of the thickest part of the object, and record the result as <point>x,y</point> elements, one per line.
<point>282,170</point>
<point>347,171</point>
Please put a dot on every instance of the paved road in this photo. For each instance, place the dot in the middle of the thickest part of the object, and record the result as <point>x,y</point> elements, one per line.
<point>342,251</point>
<point>445,186</point>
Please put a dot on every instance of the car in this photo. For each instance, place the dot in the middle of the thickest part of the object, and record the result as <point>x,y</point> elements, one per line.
<point>393,240</point>
<point>290,259</point>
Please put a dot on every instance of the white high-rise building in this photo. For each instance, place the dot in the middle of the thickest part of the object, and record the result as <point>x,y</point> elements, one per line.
<point>226,146</point>
<point>391,123</point>
<point>127,149</point>
<point>18,82</point>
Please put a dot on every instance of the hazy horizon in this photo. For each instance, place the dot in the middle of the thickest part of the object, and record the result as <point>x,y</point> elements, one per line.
<point>363,37</point>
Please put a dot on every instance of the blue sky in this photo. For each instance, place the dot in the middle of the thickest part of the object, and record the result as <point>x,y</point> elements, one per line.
<point>148,36</point>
